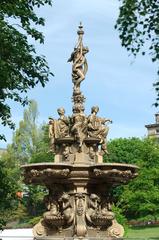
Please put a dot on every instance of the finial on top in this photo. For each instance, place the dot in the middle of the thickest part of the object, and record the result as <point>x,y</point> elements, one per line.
<point>80,29</point>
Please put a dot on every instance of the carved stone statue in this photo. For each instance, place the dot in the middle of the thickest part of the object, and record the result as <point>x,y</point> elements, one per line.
<point>97,127</point>
<point>66,208</point>
<point>62,124</point>
<point>80,66</point>
<point>58,128</point>
<point>52,214</point>
<point>79,125</point>
<point>51,134</point>
<point>92,207</point>
<point>106,210</point>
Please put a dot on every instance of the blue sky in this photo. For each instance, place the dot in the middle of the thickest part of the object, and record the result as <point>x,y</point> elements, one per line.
<point>119,84</point>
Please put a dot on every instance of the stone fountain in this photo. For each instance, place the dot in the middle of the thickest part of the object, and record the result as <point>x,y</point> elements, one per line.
<point>79,183</point>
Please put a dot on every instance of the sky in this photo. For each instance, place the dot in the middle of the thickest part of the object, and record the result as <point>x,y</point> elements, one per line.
<point>119,84</point>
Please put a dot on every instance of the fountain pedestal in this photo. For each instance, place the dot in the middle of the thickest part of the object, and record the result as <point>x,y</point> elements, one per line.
<point>79,201</point>
<point>79,183</point>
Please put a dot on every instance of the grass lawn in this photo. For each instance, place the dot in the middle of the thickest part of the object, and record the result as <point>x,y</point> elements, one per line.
<point>143,233</point>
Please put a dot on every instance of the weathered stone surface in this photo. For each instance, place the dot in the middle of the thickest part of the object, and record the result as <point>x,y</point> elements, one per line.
<point>79,202</point>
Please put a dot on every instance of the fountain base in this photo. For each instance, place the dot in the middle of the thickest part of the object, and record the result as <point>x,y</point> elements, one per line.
<point>79,200</point>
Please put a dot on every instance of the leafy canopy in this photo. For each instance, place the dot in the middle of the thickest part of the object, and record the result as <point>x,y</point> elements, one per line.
<point>20,67</point>
<point>138,26</point>
<point>140,198</point>
<point>30,144</point>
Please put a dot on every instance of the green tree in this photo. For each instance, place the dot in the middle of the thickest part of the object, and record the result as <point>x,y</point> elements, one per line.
<point>26,137</point>
<point>43,153</point>
<point>138,28</point>
<point>34,201</point>
<point>21,68</point>
<point>9,185</point>
<point>140,198</point>
<point>30,144</point>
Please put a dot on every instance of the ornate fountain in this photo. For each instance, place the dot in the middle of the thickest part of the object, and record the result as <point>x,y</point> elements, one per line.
<point>79,183</point>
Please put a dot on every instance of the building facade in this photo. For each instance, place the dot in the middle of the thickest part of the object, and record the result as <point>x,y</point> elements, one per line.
<point>153,129</point>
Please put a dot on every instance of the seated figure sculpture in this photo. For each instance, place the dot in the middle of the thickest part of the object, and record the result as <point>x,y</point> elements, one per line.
<point>62,124</point>
<point>97,127</point>
<point>58,128</point>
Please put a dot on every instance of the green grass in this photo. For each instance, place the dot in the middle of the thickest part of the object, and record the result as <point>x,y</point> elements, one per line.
<point>143,233</point>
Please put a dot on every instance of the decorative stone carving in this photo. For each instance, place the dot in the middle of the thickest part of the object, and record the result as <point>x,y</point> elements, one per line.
<point>53,216</point>
<point>80,66</point>
<point>79,183</point>
<point>80,228</point>
<point>66,152</point>
<point>79,125</point>
<point>92,208</point>
<point>58,128</point>
<point>44,174</point>
<point>97,127</point>
<point>40,229</point>
<point>62,124</point>
<point>92,153</point>
<point>66,209</point>
<point>116,230</point>
<point>98,214</point>
<point>51,134</point>
<point>123,175</point>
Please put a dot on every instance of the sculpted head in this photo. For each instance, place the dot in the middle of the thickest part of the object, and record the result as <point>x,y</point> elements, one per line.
<point>85,50</point>
<point>65,197</point>
<point>61,111</point>
<point>94,197</point>
<point>94,109</point>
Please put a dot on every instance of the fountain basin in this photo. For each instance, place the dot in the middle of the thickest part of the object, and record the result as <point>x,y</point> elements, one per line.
<point>110,173</point>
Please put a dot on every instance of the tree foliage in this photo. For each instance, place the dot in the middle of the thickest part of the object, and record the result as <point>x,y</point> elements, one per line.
<point>9,185</point>
<point>26,137</point>
<point>21,68</point>
<point>138,27</point>
<point>30,144</point>
<point>42,153</point>
<point>30,141</point>
<point>140,198</point>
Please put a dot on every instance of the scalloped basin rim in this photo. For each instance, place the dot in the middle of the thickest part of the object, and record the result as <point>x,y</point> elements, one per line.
<point>48,164</point>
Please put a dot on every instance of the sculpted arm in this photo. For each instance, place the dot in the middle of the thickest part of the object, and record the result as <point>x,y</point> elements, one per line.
<point>104,120</point>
